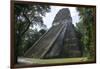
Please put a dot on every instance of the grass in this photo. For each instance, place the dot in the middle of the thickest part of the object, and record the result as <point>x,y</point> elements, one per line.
<point>61,60</point>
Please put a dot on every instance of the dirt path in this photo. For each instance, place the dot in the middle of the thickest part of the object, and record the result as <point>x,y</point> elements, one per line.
<point>25,60</point>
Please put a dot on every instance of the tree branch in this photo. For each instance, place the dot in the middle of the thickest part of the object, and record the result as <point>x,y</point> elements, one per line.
<point>28,21</point>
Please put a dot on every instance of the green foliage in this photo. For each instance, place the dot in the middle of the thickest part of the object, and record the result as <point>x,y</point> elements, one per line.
<point>26,17</point>
<point>87,27</point>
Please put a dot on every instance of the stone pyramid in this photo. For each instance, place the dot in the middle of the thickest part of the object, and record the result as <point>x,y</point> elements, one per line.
<point>60,41</point>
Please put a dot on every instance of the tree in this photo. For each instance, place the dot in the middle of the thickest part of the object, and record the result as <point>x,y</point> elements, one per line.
<point>26,16</point>
<point>87,27</point>
<point>42,31</point>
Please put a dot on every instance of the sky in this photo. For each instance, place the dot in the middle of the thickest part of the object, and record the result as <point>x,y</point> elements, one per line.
<point>48,19</point>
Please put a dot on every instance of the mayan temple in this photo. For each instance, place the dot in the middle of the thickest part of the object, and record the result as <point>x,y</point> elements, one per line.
<point>60,41</point>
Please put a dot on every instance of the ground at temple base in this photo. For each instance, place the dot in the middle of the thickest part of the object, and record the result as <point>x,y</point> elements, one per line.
<point>52,61</point>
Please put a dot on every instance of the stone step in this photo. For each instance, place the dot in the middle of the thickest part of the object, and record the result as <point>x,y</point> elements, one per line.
<point>43,43</point>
